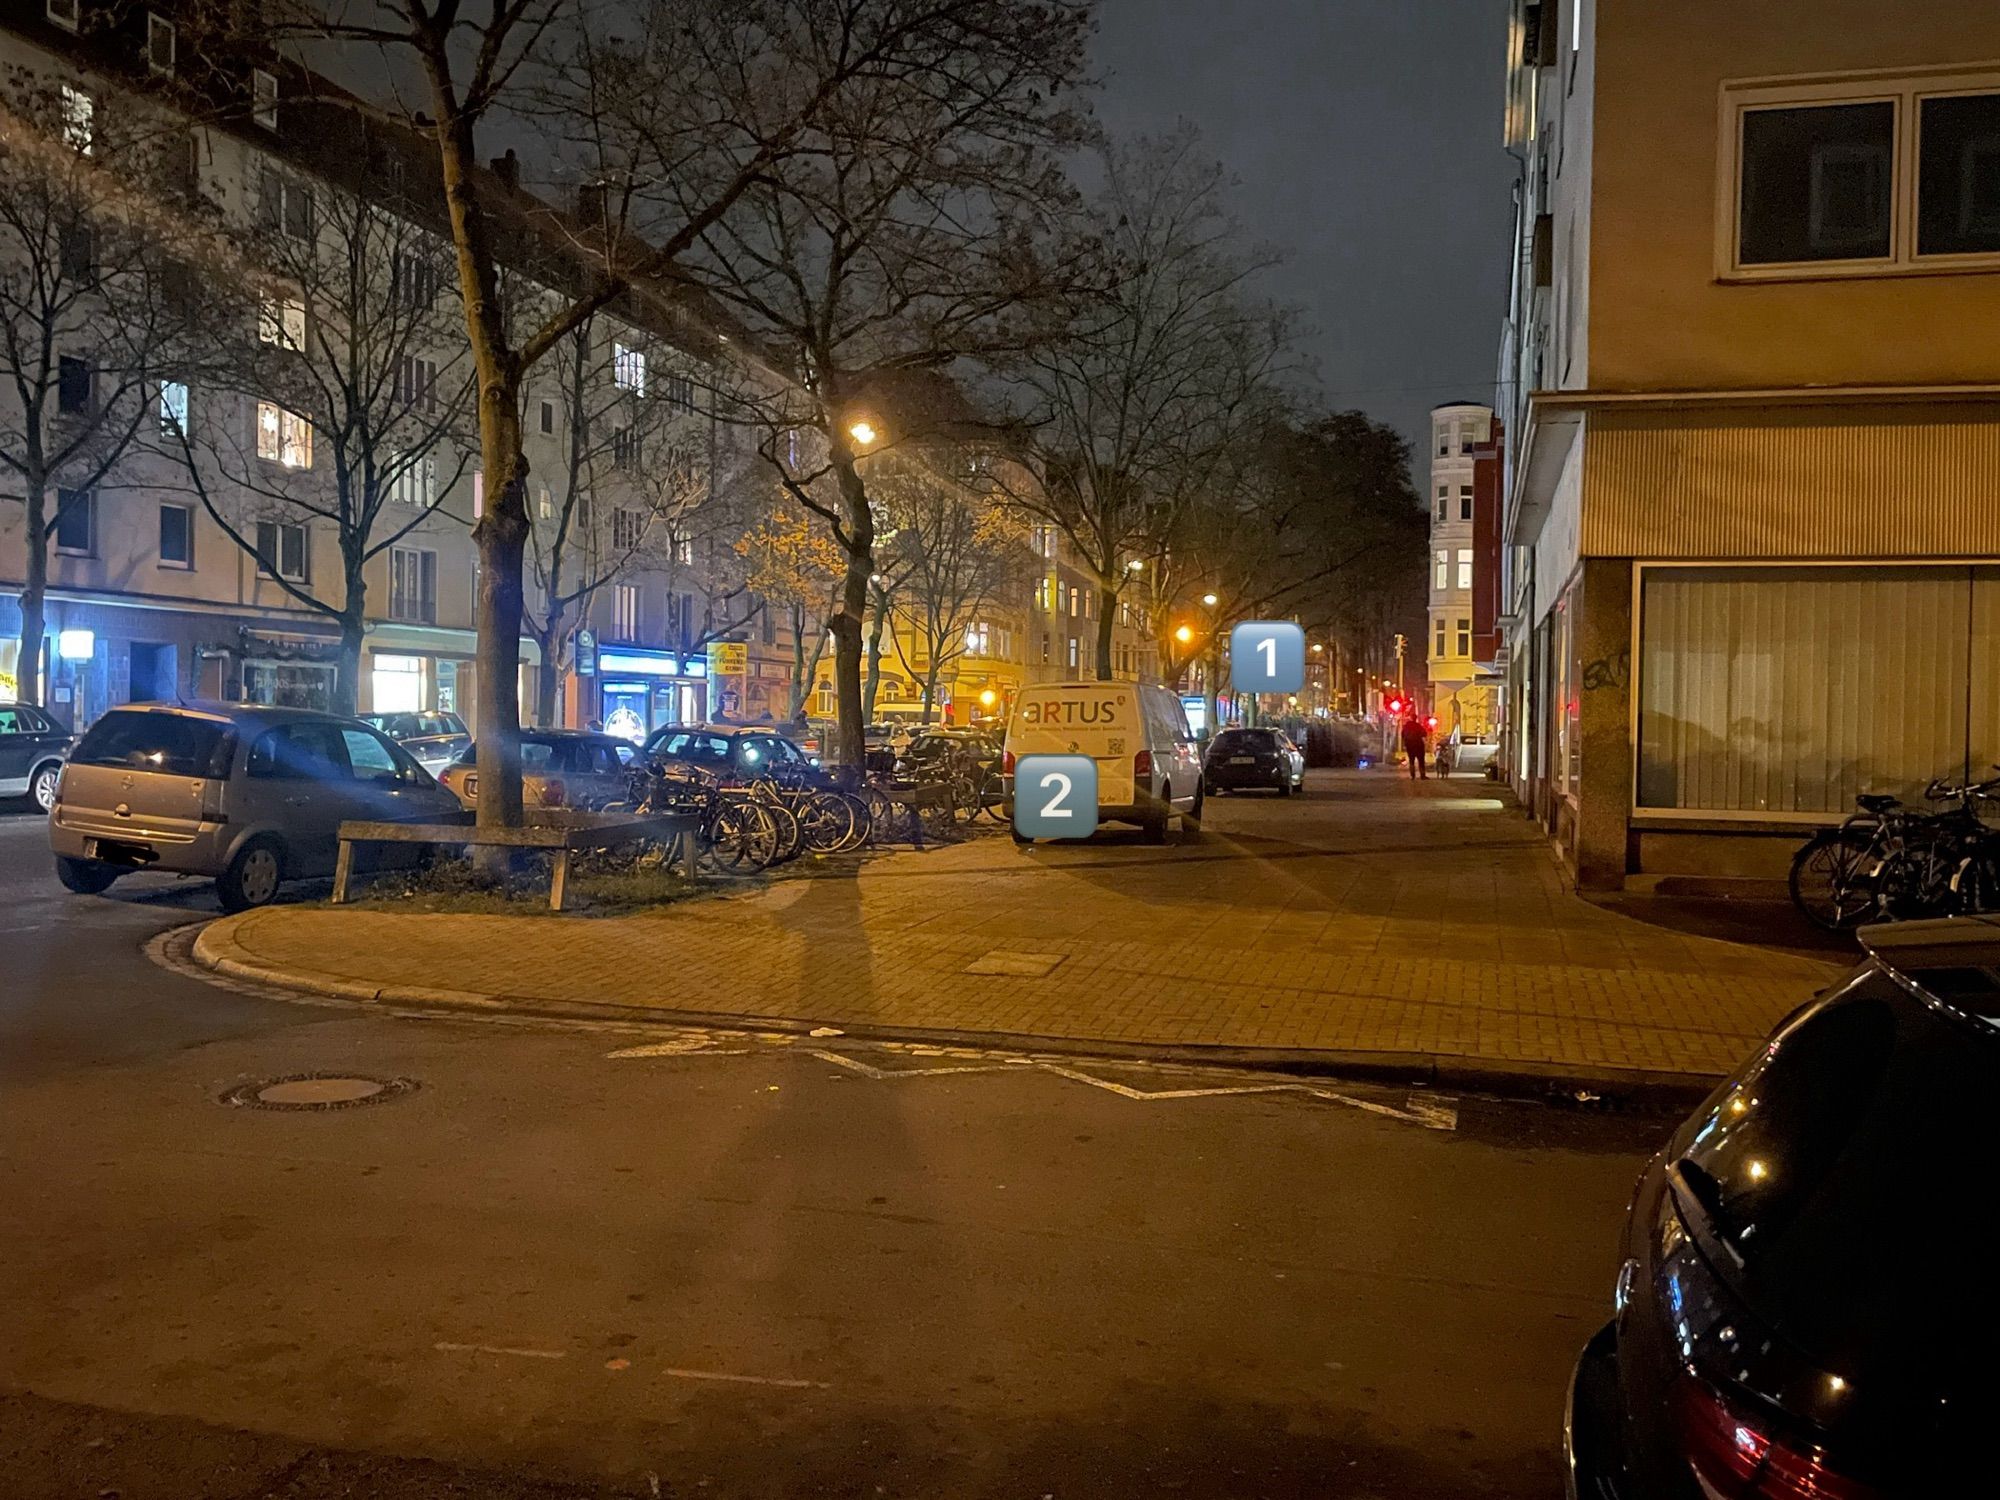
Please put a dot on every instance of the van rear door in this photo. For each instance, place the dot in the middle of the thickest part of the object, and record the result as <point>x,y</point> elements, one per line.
<point>1100,720</point>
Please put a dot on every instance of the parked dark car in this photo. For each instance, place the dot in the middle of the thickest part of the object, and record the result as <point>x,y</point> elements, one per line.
<point>943,742</point>
<point>435,739</point>
<point>1254,759</point>
<point>559,768</point>
<point>32,747</point>
<point>1807,1307</point>
<point>737,752</point>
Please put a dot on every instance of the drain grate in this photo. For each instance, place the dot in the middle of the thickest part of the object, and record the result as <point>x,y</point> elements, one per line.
<point>316,1091</point>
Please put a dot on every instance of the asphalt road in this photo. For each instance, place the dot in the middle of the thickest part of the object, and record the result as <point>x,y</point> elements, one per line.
<point>748,1269</point>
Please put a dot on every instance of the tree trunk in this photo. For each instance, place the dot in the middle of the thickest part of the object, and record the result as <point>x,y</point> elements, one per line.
<point>1211,665</point>
<point>347,671</point>
<point>799,676</point>
<point>34,587</point>
<point>548,683</point>
<point>860,549</point>
<point>874,680</point>
<point>930,690</point>
<point>1107,604</point>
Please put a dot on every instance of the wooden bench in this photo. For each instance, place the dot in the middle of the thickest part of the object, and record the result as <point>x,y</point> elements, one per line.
<point>914,799</point>
<point>564,832</point>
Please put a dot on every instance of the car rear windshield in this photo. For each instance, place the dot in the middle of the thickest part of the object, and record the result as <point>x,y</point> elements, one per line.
<point>1245,739</point>
<point>1852,1153</point>
<point>171,744</point>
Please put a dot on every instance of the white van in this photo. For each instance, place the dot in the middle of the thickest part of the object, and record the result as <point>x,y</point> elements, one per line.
<point>1148,765</point>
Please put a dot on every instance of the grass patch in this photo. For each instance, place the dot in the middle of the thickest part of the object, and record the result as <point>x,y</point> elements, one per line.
<point>597,888</point>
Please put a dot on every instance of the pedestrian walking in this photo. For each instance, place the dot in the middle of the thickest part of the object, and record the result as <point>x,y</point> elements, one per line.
<point>1416,740</point>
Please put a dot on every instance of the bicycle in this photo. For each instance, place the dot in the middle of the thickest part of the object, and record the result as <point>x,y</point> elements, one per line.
<point>734,835</point>
<point>1889,861</point>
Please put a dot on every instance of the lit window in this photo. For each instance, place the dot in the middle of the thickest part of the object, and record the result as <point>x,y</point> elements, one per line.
<point>415,483</point>
<point>173,407</point>
<point>975,638</point>
<point>1442,576</point>
<point>283,437</point>
<point>628,369</point>
<point>625,612</point>
<point>1465,567</point>
<point>281,321</point>
<point>79,120</point>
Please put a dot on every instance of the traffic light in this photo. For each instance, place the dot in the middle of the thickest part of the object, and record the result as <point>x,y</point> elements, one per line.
<point>1394,705</point>
<point>1431,722</point>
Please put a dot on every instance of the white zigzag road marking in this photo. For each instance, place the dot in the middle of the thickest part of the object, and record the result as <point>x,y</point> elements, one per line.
<point>866,1071</point>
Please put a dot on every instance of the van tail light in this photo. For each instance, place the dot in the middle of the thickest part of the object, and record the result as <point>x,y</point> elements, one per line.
<point>1142,765</point>
<point>553,793</point>
<point>1007,763</point>
<point>1737,1457</point>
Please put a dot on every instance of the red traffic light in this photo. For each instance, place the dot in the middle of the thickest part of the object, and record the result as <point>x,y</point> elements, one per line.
<point>1395,705</point>
<point>1431,722</point>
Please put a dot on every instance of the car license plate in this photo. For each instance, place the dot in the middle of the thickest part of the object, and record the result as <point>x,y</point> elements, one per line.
<point>1243,760</point>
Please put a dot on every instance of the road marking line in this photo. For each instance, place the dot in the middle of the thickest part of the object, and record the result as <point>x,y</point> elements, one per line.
<point>683,1047</point>
<point>868,1071</point>
<point>445,1346</point>
<point>789,1385</point>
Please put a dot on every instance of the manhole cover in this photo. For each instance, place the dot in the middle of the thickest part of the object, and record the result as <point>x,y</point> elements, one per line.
<point>316,1091</point>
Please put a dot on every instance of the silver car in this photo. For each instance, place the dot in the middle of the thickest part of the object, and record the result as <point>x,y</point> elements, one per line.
<point>250,795</point>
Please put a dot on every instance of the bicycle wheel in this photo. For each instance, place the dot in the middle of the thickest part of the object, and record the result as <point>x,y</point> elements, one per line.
<point>742,840</point>
<point>993,797</point>
<point>1834,878</point>
<point>791,836</point>
<point>861,822</point>
<point>827,821</point>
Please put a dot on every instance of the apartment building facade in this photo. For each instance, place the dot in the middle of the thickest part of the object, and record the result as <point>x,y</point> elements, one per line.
<point>149,594</point>
<point>1753,518</point>
<point>1460,696</point>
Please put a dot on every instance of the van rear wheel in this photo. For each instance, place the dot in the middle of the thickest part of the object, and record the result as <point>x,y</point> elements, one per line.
<point>87,877</point>
<point>1154,828</point>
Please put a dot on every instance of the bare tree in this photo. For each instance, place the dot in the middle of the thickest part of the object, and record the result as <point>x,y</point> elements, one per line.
<point>90,309</point>
<point>794,567</point>
<point>959,552</point>
<point>1137,399</point>
<point>637,490</point>
<point>905,233</point>
<point>346,397</point>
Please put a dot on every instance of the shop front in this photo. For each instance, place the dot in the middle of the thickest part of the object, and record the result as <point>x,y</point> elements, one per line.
<point>639,690</point>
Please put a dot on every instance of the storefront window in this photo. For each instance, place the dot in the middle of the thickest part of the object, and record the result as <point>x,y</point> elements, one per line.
<point>396,684</point>
<point>1789,690</point>
<point>288,684</point>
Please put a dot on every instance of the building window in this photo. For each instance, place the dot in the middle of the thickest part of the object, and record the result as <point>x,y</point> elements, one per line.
<point>628,369</point>
<point>79,120</point>
<point>628,529</point>
<point>415,482</point>
<point>624,612</point>
<point>176,536</point>
<point>544,504</point>
<point>684,551</point>
<point>1073,651</point>
<point>823,699</point>
<point>76,521</point>
<point>287,207</point>
<point>1045,648</point>
<point>625,448</point>
<point>281,550</point>
<point>680,392</point>
<point>63,13</point>
<point>1465,567</point>
<point>548,417</point>
<point>1464,637</point>
<point>1075,604</point>
<point>1444,495</point>
<point>1817,183</point>
<point>72,384</point>
<point>1437,645</point>
<point>77,253</point>
<point>1465,502</point>
<point>1444,440</point>
<point>1468,435</point>
<point>264,98</point>
<point>173,407</point>
<point>159,43</point>
<point>281,321</point>
<point>413,280</point>
<point>283,437</point>
<point>1958,175</point>
<point>413,585</point>
<point>416,382</point>
<point>976,638</point>
<point>1743,709</point>
<point>1441,577</point>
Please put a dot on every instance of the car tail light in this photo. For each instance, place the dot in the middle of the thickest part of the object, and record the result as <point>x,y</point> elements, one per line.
<point>1007,763</point>
<point>1142,765</point>
<point>1737,1457</point>
<point>553,793</point>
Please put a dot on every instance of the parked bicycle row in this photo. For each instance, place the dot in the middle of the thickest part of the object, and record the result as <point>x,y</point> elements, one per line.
<point>1892,862</point>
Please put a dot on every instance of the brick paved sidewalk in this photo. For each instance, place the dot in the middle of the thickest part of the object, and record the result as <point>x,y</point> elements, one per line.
<point>1374,919</point>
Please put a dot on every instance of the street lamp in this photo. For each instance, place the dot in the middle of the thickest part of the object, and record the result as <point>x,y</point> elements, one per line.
<point>1184,635</point>
<point>1209,600</point>
<point>863,432</point>
<point>1136,565</point>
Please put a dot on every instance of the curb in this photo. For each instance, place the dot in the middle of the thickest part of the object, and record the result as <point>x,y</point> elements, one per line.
<point>1542,1082</point>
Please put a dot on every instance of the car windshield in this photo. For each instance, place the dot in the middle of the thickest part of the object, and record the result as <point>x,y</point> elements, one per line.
<point>1245,739</point>
<point>396,726</point>
<point>173,744</point>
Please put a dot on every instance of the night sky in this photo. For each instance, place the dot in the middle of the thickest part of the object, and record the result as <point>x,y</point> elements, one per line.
<point>1366,135</point>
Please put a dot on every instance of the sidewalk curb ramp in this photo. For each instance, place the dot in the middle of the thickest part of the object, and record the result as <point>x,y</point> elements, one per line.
<point>216,948</point>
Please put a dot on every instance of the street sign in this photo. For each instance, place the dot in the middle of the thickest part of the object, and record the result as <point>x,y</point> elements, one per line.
<point>728,659</point>
<point>586,654</point>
